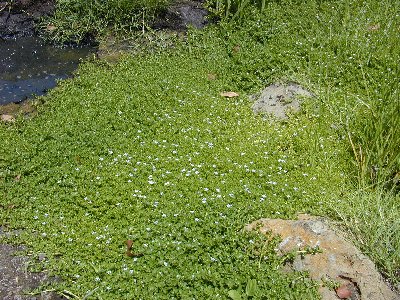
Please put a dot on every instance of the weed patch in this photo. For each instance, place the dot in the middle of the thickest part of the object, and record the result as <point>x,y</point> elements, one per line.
<point>147,150</point>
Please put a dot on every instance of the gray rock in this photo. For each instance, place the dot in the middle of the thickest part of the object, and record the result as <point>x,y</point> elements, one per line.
<point>181,14</point>
<point>278,99</point>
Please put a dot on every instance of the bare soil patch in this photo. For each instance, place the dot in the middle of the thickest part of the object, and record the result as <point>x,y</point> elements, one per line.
<point>16,282</point>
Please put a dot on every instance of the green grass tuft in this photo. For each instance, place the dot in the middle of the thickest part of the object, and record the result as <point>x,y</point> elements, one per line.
<point>77,21</point>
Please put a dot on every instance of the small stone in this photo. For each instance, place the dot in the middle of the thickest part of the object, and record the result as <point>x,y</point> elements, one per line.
<point>42,256</point>
<point>229,94</point>
<point>50,28</point>
<point>211,76</point>
<point>7,118</point>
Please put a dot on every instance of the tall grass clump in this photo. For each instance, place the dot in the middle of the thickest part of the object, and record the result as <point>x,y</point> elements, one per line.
<point>77,20</point>
<point>234,9</point>
<point>369,44</point>
<point>377,144</point>
<point>374,222</point>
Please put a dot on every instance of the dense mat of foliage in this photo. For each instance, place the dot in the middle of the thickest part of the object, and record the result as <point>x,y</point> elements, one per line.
<point>147,150</point>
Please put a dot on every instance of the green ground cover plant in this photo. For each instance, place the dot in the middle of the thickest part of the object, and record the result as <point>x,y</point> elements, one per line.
<point>146,150</point>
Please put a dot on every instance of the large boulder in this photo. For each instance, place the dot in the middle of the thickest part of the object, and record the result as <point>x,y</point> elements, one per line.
<point>328,257</point>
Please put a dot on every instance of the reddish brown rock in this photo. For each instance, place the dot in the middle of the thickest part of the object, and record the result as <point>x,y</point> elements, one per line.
<point>336,260</point>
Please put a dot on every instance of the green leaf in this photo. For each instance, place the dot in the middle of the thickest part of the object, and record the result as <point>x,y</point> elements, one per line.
<point>235,295</point>
<point>251,287</point>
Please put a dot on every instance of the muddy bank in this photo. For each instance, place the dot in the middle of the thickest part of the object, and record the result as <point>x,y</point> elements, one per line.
<point>182,14</point>
<point>17,18</point>
<point>16,282</point>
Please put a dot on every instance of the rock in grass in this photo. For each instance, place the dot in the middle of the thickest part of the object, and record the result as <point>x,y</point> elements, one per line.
<point>7,118</point>
<point>328,257</point>
<point>279,99</point>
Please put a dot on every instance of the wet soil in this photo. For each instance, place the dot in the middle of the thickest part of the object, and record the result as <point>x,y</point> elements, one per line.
<point>181,15</point>
<point>18,17</point>
<point>16,282</point>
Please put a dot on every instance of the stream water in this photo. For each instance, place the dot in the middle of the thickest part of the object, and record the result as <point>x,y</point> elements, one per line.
<point>28,67</point>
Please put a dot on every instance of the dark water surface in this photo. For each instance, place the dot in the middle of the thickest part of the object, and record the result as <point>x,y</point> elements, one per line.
<point>28,67</point>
